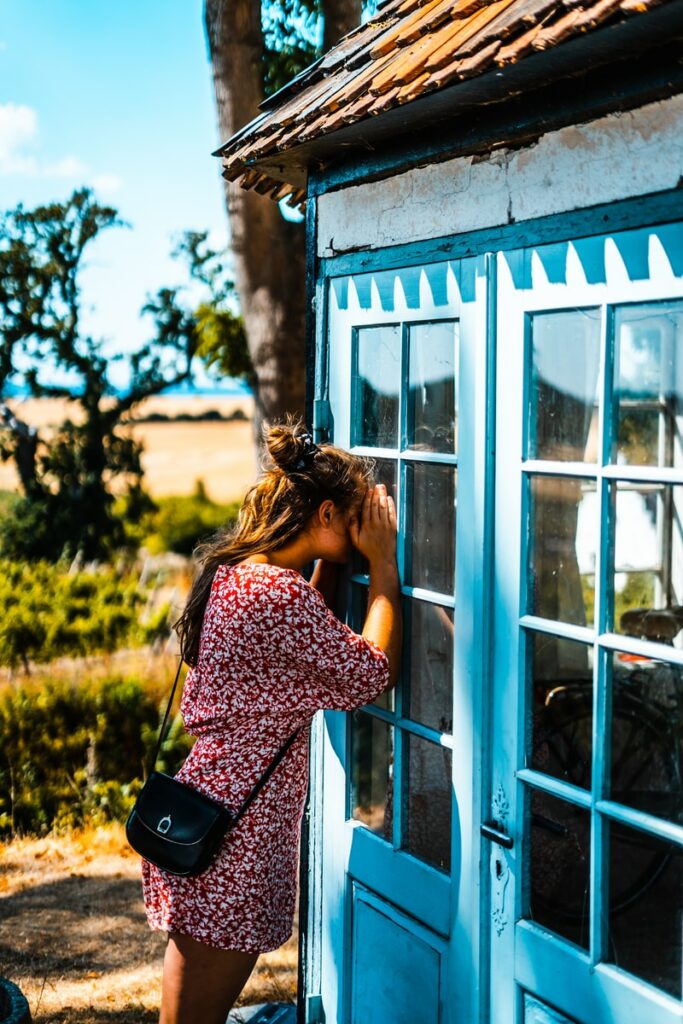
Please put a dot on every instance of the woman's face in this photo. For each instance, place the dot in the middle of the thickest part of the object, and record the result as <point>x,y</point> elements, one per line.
<point>336,540</point>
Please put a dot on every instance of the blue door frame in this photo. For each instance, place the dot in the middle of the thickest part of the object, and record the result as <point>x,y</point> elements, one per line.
<point>533,952</point>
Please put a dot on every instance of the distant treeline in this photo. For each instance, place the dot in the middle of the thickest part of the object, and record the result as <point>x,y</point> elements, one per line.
<point>189,417</point>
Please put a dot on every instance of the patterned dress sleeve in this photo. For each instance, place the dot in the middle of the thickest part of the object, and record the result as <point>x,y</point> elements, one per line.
<point>335,668</point>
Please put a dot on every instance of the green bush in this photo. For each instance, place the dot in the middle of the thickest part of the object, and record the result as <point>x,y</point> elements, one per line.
<point>181,522</point>
<point>48,613</point>
<point>74,755</point>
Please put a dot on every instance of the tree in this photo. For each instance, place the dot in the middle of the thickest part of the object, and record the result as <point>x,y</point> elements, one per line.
<point>254,52</point>
<point>66,504</point>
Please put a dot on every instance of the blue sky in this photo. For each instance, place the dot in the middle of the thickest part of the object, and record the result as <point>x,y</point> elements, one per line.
<point>118,96</point>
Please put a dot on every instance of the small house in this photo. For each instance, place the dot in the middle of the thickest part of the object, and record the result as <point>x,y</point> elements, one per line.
<point>494,217</point>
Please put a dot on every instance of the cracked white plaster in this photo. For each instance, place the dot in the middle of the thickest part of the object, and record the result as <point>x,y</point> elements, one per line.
<point>614,157</point>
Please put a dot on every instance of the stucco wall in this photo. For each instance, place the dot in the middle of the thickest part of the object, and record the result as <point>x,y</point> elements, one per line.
<point>614,157</point>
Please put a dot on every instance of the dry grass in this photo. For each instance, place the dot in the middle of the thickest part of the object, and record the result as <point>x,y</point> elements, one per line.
<point>157,670</point>
<point>74,937</point>
<point>176,455</point>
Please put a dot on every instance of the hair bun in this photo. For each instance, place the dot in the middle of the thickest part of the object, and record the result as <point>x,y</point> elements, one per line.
<point>290,445</point>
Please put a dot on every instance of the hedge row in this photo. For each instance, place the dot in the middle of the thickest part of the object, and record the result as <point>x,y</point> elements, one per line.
<point>48,613</point>
<point>77,754</point>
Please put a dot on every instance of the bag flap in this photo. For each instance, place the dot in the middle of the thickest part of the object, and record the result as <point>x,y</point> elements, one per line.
<point>176,812</point>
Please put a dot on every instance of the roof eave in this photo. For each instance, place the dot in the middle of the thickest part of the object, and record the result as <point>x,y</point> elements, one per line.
<point>594,49</point>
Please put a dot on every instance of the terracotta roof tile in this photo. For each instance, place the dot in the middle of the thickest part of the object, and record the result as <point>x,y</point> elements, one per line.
<point>410,48</point>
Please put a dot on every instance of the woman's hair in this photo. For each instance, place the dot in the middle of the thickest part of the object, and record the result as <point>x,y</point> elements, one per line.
<point>275,510</point>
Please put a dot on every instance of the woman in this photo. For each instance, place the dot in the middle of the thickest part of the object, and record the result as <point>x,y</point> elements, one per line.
<point>265,653</point>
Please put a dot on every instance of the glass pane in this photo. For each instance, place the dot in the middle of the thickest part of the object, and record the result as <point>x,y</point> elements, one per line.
<point>372,760</point>
<point>646,907</point>
<point>646,735</point>
<point>648,388</point>
<point>563,548</point>
<point>648,562</point>
<point>561,674</point>
<point>427,791</point>
<point>565,359</point>
<point>376,387</point>
<point>430,501</point>
<point>359,611</point>
<point>559,862</point>
<point>433,386</point>
<point>385,473</point>
<point>429,629</point>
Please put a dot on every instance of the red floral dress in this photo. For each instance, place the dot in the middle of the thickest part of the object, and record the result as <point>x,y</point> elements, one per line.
<point>271,654</point>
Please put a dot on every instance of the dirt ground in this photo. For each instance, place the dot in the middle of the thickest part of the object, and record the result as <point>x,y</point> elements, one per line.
<point>74,937</point>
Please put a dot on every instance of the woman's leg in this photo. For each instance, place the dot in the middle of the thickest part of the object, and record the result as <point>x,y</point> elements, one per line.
<point>201,983</point>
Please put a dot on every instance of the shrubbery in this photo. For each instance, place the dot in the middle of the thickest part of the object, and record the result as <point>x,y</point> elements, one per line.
<point>77,754</point>
<point>46,612</point>
<point>179,523</point>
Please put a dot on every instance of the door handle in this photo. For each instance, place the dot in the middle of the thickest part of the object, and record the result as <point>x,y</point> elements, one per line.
<point>496,835</point>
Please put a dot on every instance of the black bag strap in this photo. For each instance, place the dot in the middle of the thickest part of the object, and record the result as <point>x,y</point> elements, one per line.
<point>267,773</point>
<point>168,708</point>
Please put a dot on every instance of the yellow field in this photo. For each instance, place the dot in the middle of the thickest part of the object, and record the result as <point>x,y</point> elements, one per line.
<point>176,455</point>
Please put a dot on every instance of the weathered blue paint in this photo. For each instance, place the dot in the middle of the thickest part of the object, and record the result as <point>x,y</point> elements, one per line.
<point>372,887</point>
<point>663,209</point>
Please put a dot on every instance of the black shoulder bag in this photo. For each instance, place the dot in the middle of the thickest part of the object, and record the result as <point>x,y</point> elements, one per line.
<point>178,828</point>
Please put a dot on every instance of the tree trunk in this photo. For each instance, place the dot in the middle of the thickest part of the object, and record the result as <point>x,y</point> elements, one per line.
<point>340,17</point>
<point>269,251</point>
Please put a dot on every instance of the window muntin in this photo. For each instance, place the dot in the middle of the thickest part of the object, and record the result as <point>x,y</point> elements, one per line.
<point>603,549</point>
<point>404,360</point>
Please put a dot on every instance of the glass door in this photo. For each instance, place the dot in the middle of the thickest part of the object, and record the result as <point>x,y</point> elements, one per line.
<point>586,804</point>
<point>398,797</point>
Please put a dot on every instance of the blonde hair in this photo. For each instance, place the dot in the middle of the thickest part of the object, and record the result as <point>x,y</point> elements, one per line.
<point>275,510</point>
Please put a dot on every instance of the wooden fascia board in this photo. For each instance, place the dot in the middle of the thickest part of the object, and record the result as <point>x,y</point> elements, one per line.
<point>498,86</point>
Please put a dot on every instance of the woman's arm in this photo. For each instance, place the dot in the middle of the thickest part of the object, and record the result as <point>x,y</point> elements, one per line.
<point>324,578</point>
<point>384,622</point>
<point>374,533</point>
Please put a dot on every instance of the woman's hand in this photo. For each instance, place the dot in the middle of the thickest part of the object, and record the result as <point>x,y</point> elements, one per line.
<point>373,532</point>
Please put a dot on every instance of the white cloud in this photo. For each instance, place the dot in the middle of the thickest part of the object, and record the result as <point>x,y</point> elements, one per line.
<point>106,183</point>
<point>18,127</point>
<point>67,167</point>
<point>19,131</point>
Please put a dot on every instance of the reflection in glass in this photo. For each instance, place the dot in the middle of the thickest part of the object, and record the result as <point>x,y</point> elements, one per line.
<point>559,863</point>
<point>433,386</point>
<point>427,801</point>
<point>648,389</point>
<point>372,759</point>
<point>648,562</point>
<point>565,359</point>
<point>377,385</point>
<point>647,735</point>
<point>385,473</point>
<point>359,611</point>
<point>430,504</point>
<point>645,907</point>
<point>561,708</point>
<point>429,629</point>
<point>563,549</point>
